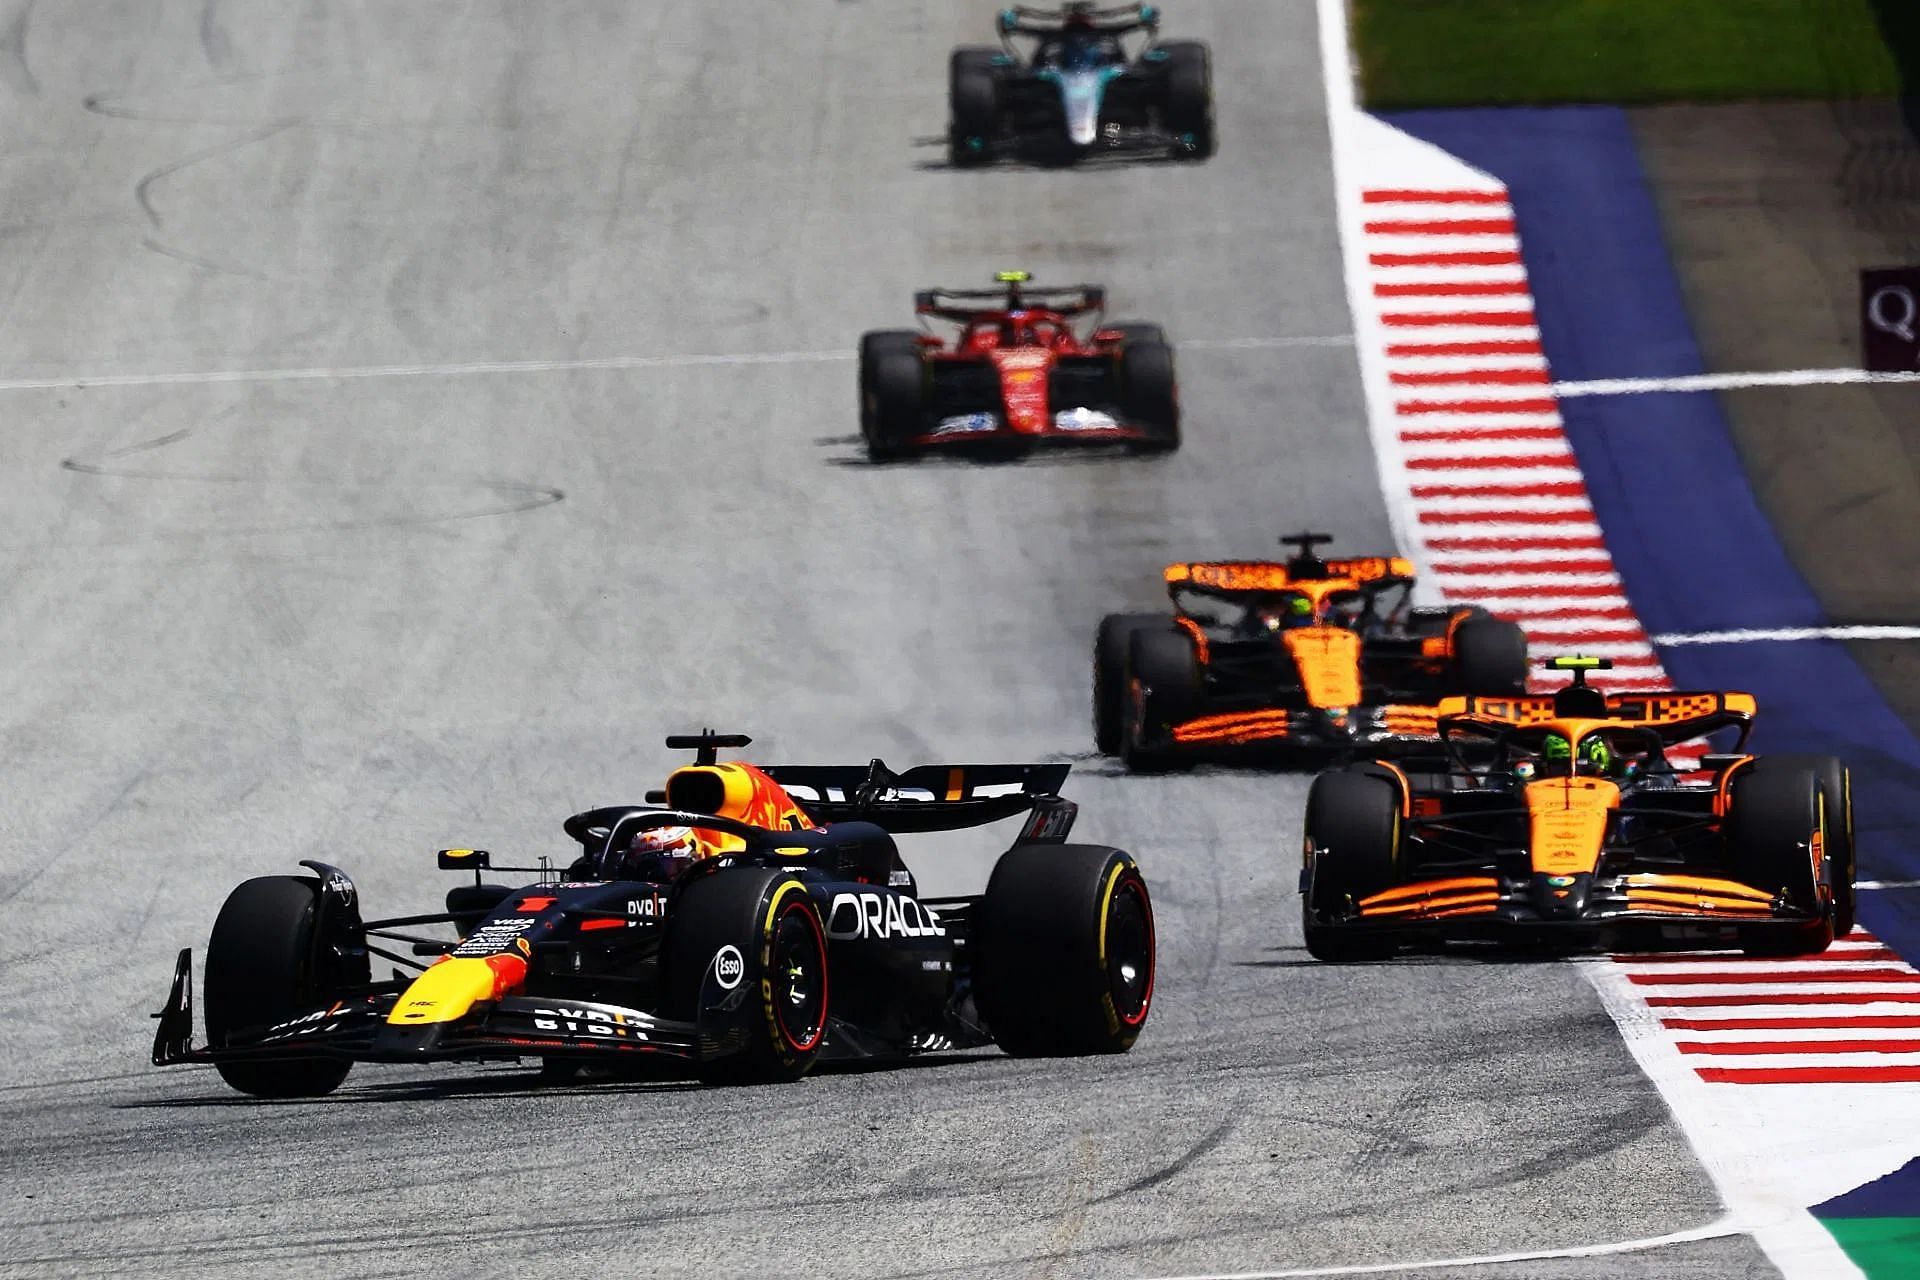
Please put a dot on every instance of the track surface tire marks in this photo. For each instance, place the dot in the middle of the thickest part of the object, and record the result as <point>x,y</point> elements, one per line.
<point>272,638</point>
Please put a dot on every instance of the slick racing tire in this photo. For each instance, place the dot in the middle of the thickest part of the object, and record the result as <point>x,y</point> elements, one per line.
<point>1110,675</point>
<point>1149,388</point>
<point>1489,658</point>
<point>973,105</point>
<point>1066,959</point>
<point>1163,688</point>
<point>1836,784</point>
<point>1189,107</point>
<point>263,965</point>
<point>1352,850</point>
<point>892,391</point>
<point>1775,807</point>
<point>764,925</point>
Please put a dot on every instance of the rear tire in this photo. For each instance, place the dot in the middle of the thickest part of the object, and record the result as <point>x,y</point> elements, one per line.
<point>973,105</point>
<point>1489,658</point>
<point>1161,661</point>
<point>1775,807</point>
<point>1150,390</point>
<point>892,391</point>
<point>263,966</point>
<point>1189,109</point>
<point>1110,676</point>
<point>1066,961</point>
<point>768,918</point>
<point>1353,850</point>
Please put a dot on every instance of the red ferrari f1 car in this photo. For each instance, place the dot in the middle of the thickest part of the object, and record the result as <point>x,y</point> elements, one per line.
<point>1027,366</point>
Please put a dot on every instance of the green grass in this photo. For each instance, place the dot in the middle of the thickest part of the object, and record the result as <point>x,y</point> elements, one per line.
<point>1434,53</point>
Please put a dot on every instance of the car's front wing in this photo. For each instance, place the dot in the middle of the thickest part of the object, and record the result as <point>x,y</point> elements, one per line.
<point>512,1027</point>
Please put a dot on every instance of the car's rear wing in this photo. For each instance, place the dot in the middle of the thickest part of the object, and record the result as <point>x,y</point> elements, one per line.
<point>1674,716</point>
<point>964,305</point>
<point>934,797</point>
<point>1030,20</point>
<point>1237,577</point>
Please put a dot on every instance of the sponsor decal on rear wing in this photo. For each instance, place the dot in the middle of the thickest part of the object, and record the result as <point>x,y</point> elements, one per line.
<point>935,797</point>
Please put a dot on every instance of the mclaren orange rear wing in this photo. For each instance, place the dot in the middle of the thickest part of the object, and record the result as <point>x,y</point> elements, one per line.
<point>1674,716</point>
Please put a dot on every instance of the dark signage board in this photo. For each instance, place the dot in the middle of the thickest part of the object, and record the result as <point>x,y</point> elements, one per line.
<point>1890,320</point>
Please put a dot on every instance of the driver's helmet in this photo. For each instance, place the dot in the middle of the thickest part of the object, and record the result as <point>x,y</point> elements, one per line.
<point>1294,611</point>
<point>1596,757</point>
<point>1556,753</point>
<point>657,854</point>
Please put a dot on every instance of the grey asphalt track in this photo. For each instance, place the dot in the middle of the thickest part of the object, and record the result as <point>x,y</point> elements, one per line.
<point>251,620</point>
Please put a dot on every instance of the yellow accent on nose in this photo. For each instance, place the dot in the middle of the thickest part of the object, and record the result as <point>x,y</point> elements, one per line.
<point>445,992</point>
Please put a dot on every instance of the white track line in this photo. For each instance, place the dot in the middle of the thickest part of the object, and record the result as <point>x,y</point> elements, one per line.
<point>1887,884</point>
<point>1728,382</point>
<point>469,368</point>
<point>1790,633</point>
<point>1727,1226</point>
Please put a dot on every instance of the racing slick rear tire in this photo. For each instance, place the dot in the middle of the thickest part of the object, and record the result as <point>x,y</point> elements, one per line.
<point>1163,688</point>
<point>1352,850</point>
<point>1110,676</point>
<point>779,944</point>
<point>892,391</point>
<point>265,963</point>
<point>1150,390</point>
<point>1066,958</point>
<point>973,105</point>
<point>1489,658</point>
<point>1189,105</point>
<point>1775,808</point>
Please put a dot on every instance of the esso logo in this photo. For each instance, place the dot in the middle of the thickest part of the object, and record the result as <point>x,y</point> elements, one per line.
<point>729,967</point>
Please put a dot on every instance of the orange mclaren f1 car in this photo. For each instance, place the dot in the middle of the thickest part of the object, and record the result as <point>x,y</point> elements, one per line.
<point>745,922</point>
<point>1309,657</point>
<point>1567,821</point>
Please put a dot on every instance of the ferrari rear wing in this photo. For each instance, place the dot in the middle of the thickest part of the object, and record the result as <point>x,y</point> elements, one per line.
<point>971,304</point>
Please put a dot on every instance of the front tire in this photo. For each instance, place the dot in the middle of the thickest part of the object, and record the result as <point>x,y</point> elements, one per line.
<point>265,963</point>
<point>1352,851</point>
<point>1164,688</point>
<point>1150,388</point>
<point>892,391</point>
<point>768,921</point>
<point>973,105</point>
<point>1067,954</point>
<point>1189,109</point>
<point>1777,808</point>
<point>1110,676</point>
<point>1836,785</point>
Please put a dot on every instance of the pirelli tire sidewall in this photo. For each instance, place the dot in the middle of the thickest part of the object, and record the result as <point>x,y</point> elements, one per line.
<point>1836,786</point>
<point>268,959</point>
<point>1164,687</point>
<point>1776,819</point>
<point>1353,838</point>
<point>893,379</point>
<point>763,921</point>
<point>1110,646</point>
<point>1066,959</point>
